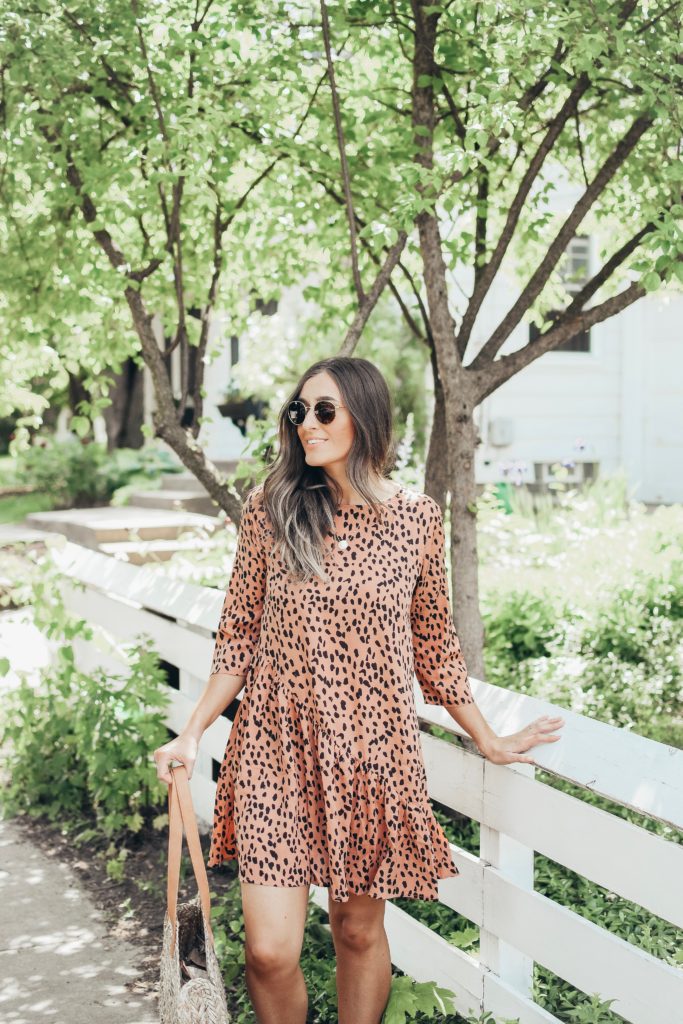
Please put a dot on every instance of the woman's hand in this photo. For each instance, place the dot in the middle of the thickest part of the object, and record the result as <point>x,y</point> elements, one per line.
<point>507,749</point>
<point>183,748</point>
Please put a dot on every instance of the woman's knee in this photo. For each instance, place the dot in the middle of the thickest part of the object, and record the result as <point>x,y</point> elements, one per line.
<point>357,930</point>
<point>268,956</point>
<point>274,921</point>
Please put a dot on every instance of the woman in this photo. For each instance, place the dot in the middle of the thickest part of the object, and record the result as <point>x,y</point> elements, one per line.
<point>338,593</point>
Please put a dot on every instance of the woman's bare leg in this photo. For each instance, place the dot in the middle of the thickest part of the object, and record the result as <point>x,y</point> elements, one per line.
<point>274,922</point>
<point>363,961</point>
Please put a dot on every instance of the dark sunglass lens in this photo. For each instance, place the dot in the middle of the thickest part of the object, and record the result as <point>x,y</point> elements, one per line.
<point>297,412</point>
<point>325,412</point>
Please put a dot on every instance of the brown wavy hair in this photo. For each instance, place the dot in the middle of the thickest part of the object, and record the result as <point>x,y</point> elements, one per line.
<point>301,500</point>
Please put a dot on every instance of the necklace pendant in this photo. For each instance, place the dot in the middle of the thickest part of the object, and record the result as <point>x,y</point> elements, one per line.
<point>342,545</point>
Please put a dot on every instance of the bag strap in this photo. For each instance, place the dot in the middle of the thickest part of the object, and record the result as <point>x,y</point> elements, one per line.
<point>181,812</point>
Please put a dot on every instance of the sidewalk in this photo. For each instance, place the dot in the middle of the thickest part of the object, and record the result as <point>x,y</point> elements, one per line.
<point>58,963</point>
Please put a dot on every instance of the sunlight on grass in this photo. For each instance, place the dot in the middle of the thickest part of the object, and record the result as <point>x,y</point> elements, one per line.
<point>584,545</point>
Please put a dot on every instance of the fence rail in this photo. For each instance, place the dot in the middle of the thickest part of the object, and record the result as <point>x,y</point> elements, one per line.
<point>519,814</point>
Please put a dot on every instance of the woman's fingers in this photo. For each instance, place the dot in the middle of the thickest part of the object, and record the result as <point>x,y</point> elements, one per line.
<point>545,721</point>
<point>164,759</point>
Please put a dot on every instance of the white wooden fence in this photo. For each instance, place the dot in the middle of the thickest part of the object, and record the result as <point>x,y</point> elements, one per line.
<point>519,814</point>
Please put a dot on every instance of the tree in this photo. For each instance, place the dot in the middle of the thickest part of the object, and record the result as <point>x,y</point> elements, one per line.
<point>390,142</point>
<point>496,92</point>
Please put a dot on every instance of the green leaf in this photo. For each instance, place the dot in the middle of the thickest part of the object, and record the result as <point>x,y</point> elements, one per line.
<point>80,425</point>
<point>651,281</point>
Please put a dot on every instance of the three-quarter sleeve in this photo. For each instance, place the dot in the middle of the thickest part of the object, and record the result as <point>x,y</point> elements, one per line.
<point>239,626</point>
<point>439,663</point>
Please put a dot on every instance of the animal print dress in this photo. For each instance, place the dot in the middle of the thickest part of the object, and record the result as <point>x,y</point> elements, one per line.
<point>323,779</point>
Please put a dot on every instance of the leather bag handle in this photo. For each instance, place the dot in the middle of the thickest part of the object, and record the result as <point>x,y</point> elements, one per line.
<point>181,812</point>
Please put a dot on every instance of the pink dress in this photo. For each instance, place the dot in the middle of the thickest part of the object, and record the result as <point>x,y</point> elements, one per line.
<point>323,779</point>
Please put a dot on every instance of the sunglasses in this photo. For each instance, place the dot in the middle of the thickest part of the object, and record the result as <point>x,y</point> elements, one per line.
<point>324,410</point>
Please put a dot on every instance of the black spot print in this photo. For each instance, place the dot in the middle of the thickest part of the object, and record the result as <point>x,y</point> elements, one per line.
<point>323,780</point>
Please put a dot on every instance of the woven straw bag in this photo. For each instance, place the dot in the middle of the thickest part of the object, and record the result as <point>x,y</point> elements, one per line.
<point>191,989</point>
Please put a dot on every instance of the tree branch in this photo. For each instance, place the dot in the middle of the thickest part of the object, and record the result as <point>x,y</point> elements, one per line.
<point>481,223</point>
<point>144,272</point>
<point>333,194</point>
<point>605,272</point>
<point>435,279</point>
<point>342,154</point>
<point>197,398</point>
<point>569,109</point>
<point>460,129</point>
<point>501,370</point>
<point>557,247</point>
<point>490,269</point>
<point>370,300</point>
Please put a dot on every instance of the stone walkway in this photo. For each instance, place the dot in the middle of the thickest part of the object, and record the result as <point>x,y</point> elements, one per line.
<point>58,963</point>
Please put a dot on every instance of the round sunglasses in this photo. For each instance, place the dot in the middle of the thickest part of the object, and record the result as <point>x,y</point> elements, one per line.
<point>325,411</point>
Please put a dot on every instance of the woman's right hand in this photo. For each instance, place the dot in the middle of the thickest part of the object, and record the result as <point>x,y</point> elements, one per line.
<point>182,748</point>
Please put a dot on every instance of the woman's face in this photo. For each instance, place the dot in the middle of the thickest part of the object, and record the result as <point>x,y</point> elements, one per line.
<point>335,438</point>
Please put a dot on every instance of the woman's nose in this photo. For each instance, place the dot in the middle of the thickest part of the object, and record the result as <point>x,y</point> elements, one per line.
<point>310,412</point>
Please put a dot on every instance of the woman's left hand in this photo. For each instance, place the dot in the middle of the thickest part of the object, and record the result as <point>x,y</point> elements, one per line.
<point>507,749</point>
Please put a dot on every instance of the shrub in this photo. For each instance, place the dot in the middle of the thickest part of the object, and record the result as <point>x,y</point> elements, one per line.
<point>79,474</point>
<point>77,743</point>
<point>518,625</point>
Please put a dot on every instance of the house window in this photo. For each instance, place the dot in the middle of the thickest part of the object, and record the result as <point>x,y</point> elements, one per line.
<point>574,270</point>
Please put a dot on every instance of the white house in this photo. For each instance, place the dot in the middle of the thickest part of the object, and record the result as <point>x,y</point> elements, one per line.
<point>609,399</point>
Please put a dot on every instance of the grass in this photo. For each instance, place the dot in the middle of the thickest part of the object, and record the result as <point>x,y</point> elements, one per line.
<point>15,507</point>
<point>587,544</point>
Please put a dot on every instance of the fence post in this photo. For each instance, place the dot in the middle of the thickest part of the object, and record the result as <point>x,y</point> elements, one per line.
<point>516,862</point>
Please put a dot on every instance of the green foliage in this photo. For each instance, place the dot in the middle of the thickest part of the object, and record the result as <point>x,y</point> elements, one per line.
<point>637,616</point>
<point>79,743</point>
<point>613,650</point>
<point>81,474</point>
<point>519,625</point>
<point>15,508</point>
<point>72,472</point>
<point>228,115</point>
<point>409,998</point>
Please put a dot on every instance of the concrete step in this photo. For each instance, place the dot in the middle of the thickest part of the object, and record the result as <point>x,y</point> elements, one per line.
<point>181,500</point>
<point>140,552</point>
<point>187,481</point>
<point>179,482</point>
<point>93,527</point>
<point>19,533</point>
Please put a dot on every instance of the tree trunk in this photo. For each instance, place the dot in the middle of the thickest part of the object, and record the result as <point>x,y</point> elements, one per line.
<point>460,434</point>
<point>125,416</point>
<point>436,470</point>
<point>462,441</point>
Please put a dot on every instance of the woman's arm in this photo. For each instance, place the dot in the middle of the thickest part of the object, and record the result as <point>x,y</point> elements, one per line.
<point>220,691</point>
<point>440,666</point>
<point>237,638</point>
<point>437,656</point>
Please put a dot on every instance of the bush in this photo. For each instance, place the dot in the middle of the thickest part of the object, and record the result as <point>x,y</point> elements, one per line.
<point>636,616</point>
<point>518,625</point>
<point>80,474</point>
<point>78,744</point>
<point>620,662</point>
